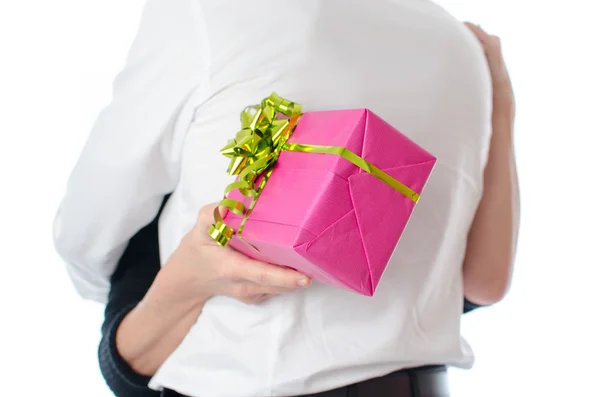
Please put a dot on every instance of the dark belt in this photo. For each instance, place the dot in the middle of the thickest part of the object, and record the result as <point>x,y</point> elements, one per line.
<point>430,381</point>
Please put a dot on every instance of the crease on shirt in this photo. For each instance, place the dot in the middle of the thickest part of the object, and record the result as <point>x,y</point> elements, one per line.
<point>470,181</point>
<point>206,81</point>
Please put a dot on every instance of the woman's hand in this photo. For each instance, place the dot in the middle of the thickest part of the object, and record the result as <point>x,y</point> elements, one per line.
<point>201,269</point>
<point>198,270</point>
<point>504,100</point>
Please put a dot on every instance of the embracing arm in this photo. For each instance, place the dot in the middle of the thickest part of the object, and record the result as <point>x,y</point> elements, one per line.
<point>487,269</point>
<point>152,308</point>
<point>138,336</point>
<point>491,246</point>
<point>135,273</point>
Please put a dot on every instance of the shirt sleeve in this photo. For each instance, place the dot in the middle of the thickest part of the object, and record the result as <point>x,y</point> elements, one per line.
<point>469,306</point>
<point>134,275</point>
<point>131,158</point>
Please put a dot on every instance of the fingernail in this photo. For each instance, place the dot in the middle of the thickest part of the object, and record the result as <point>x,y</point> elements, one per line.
<point>303,282</point>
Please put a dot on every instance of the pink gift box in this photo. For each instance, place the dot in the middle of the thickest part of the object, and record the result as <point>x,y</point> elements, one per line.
<point>327,218</point>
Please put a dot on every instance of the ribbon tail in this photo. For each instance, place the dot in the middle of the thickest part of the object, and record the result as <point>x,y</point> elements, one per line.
<point>219,231</point>
<point>261,187</point>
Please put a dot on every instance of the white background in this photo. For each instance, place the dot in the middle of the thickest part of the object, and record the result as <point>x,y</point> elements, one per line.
<point>57,62</point>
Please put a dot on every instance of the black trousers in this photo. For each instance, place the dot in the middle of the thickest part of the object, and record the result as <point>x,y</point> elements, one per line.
<point>430,381</point>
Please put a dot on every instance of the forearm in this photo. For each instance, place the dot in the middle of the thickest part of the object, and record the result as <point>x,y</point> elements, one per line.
<point>492,240</point>
<point>153,330</point>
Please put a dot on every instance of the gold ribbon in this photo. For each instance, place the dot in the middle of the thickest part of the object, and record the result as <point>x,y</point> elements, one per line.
<point>255,150</point>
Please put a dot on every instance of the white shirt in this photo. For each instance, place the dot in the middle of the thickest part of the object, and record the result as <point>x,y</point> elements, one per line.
<point>194,65</point>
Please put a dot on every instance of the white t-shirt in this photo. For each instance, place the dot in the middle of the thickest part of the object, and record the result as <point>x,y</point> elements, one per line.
<point>194,65</point>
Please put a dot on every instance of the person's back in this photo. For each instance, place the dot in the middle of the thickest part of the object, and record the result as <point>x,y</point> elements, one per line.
<point>424,73</point>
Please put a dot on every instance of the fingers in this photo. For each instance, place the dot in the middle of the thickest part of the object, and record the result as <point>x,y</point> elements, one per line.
<point>493,52</point>
<point>252,300</point>
<point>251,293</point>
<point>248,278</point>
<point>502,86</point>
<point>482,35</point>
<point>276,276</point>
<point>491,43</point>
<point>268,275</point>
<point>478,31</point>
<point>248,290</point>
<point>255,300</point>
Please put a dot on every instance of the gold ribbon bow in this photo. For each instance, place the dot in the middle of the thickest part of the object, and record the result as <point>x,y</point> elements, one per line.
<point>255,150</point>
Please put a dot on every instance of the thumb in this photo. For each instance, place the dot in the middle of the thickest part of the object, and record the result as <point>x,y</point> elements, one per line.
<point>209,215</point>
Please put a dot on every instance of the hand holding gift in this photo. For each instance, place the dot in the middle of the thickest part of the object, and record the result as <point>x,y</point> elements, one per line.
<point>326,193</point>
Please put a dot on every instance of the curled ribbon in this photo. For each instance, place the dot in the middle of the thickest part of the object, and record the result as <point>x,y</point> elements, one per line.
<point>254,153</point>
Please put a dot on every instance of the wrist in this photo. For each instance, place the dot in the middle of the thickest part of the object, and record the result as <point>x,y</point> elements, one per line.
<point>145,328</point>
<point>167,299</point>
<point>175,286</point>
<point>146,336</point>
<point>134,340</point>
